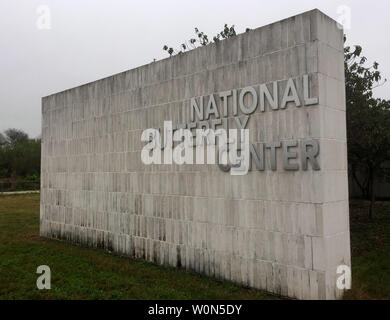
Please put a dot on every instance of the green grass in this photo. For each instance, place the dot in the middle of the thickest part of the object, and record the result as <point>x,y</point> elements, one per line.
<point>370,246</point>
<point>84,273</point>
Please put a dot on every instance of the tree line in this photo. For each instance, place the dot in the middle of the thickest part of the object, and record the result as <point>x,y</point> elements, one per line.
<point>20,156</point>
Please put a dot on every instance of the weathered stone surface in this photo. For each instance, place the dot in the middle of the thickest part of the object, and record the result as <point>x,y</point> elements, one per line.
<point>283,231</point>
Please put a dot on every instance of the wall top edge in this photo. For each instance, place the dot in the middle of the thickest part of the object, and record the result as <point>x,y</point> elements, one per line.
<point>314,15</point>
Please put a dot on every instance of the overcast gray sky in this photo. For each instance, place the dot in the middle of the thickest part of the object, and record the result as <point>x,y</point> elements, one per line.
<point>92,39</point>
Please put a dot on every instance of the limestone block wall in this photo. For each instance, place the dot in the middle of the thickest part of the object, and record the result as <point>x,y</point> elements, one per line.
<point>282,231</point>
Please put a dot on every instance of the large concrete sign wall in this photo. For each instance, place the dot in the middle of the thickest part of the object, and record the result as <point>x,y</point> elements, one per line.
<point>282,227</point>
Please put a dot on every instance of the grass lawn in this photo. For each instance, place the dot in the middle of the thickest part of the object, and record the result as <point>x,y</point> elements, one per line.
<point>370,245</point>
<point>83,273</point>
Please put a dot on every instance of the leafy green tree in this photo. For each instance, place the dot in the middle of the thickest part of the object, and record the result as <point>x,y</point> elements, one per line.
<point>25,157</point>
<point>14,135</point>
<point>19,155</point>
<point>368,123</point>
<point>2,139</point>
<point>202,39</point>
